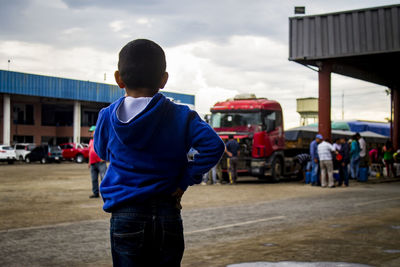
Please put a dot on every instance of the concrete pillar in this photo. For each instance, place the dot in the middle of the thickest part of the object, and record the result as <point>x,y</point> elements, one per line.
<point>6,119</point>
<point>77,122</point>
<point>324,100</point>
<point>396,118</point>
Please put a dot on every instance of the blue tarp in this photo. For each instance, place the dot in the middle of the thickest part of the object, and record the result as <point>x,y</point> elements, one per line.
<point>307,132</point>
<point>381,128</point>
<point>376,127</point>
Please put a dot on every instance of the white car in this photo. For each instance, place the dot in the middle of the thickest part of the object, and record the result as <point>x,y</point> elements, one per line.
<point>7,153</point>
<point>22,150</point>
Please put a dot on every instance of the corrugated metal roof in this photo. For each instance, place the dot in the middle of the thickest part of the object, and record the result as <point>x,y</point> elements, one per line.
<point>46,86</point>
<point>349,33</point>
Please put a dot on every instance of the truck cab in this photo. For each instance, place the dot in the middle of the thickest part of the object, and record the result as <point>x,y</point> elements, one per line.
<point>257,124</point>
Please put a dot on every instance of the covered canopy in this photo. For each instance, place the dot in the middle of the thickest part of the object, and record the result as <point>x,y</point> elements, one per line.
<point>307,132</point>
<point>381,128</point>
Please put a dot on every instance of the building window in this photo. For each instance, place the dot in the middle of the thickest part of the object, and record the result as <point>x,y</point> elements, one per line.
<point>23,114</point>
<point>57,115</point>
<point>89,117</point>
<point>23,139</point>
<point>48,140</point>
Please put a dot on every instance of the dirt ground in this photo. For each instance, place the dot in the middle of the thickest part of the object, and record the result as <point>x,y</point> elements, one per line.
<point>319,242</point>
<point>36,195</point>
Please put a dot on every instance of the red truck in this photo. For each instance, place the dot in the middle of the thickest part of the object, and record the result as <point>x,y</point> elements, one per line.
<point>73,151</point>
<point>257,123</point>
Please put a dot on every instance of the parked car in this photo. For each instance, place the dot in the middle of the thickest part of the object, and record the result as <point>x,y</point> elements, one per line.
<point>7,153</point>
<point>44,154</point>
<point>23,149</point>
<point>73,151</point>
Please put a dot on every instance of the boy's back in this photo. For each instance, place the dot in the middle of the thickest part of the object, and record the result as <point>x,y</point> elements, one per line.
<point>149,169</point>
<point>148,155</point>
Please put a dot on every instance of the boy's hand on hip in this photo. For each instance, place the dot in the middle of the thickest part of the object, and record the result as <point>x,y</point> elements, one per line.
<point>178,195</point>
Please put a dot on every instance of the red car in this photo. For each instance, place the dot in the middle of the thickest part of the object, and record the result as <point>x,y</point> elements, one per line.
<point>77,152</point>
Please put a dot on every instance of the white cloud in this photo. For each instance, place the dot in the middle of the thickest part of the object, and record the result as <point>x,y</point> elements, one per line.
<point>74,30</point>
<point>144,21</point>
<point>82,63</point>
<point>116,25</point>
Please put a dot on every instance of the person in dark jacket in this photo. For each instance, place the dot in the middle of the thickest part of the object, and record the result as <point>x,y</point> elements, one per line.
<point>232,150</point>
<point>146,139</point>
<point>344,153</point>
<point>315,160</point>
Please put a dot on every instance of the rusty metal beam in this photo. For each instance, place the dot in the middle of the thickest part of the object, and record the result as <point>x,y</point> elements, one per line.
<point>324,100</point>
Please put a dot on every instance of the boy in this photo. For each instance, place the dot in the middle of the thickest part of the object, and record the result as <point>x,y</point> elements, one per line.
<point>146,138</point>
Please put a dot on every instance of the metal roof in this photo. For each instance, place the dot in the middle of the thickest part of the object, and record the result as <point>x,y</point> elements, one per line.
<point>349,33</point>
<point>360,43</point>
<point>46,86</point>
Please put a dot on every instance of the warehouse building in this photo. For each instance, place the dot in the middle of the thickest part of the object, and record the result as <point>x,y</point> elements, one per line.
<point>42,109</point>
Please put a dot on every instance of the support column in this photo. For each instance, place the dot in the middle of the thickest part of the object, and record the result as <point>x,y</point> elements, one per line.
<point>396,118</point>
<point>324,100</point>
<point>77,122</point>
<point>6,119</point>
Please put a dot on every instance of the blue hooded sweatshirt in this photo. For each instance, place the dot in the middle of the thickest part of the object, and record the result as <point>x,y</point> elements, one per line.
<point>148,155</point>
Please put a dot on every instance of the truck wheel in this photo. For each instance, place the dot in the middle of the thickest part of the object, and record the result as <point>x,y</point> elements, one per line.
<point>43,160</point>
<point>79,158</point>
<point>276,172</point>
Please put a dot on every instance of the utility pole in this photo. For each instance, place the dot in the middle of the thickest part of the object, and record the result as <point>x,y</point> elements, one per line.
<point>343,105</point>
<point>9,64</point>
<point>105,77</point>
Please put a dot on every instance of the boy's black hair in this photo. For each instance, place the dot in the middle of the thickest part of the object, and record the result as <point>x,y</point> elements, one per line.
<point>230,136</point>
<point>142,64</point>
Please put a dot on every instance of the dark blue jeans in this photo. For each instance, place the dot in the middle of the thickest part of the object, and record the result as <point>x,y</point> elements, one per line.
<point>343,175</point>
<point>97,169</point>
<point>147,234</point>
<point>314,173</point>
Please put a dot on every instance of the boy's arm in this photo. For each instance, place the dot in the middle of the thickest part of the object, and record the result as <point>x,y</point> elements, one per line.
<point>210,147</point>
<point>100,139</point>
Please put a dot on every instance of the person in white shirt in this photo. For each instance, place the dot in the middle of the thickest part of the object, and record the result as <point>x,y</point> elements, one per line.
<point>363,145</point>
<point>325,150</point>
<point>337,145</point>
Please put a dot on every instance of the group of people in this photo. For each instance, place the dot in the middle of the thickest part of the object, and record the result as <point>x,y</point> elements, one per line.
<point>388,155</point>
<point>344,156</point>
<point>215,174</point>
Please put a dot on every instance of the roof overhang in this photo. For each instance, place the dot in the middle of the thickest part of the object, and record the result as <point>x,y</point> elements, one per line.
<point>363,44</point>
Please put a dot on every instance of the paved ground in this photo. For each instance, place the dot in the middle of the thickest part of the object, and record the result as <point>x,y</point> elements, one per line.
<point>46,219</point>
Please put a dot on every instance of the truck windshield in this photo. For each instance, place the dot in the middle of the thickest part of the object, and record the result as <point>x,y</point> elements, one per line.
<point>221,120</point>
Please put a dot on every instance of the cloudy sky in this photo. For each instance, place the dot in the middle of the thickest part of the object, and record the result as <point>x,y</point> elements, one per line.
<point>215,48</point>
